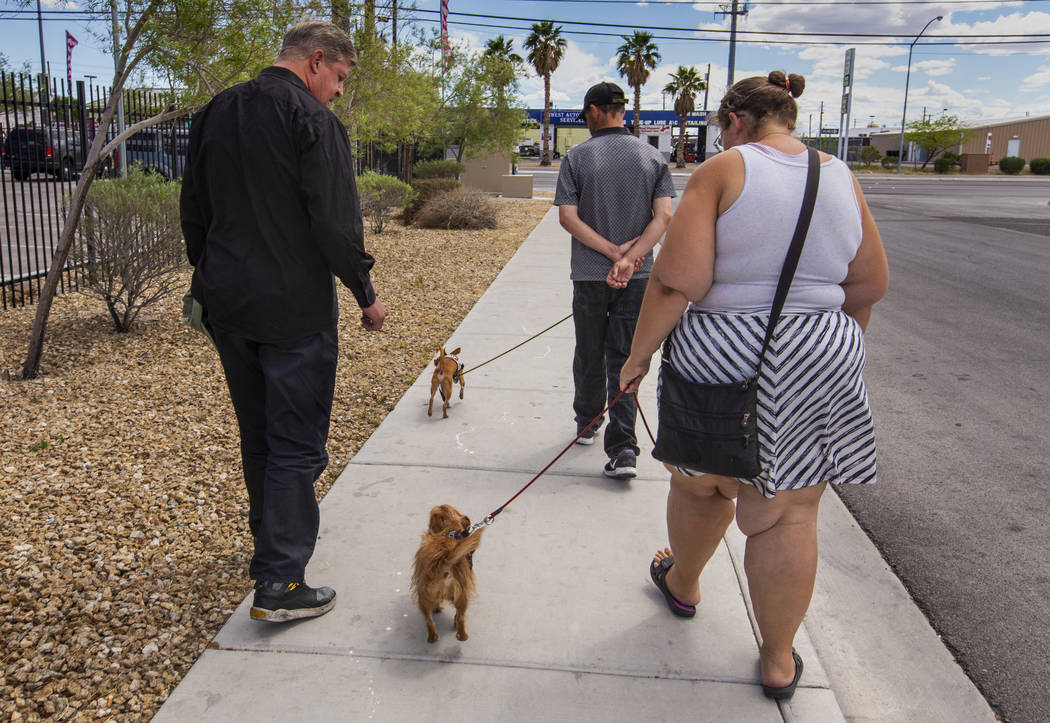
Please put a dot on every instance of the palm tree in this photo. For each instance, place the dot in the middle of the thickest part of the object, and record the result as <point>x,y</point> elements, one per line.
<point>500,47</point>
<point>638,55</point>
<point>684,85</point>
<point>546,47</point>
<point>502,63</point>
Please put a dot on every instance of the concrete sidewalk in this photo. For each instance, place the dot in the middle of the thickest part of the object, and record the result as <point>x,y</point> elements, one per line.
<point>566,625</point>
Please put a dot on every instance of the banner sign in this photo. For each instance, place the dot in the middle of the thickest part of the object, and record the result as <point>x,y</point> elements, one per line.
<point>563,117</point>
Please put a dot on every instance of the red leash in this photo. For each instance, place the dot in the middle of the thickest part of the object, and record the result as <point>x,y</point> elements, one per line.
<point>492,515</point>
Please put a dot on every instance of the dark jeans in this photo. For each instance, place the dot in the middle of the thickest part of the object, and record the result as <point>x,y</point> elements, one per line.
<point>605,319</point>
<point>282,394</point>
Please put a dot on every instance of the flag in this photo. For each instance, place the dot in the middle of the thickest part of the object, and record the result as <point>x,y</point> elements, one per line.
<point>70,44</point>
<point>447,51</point>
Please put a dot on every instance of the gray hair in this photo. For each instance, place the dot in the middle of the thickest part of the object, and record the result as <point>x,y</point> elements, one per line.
<point>310,35</point>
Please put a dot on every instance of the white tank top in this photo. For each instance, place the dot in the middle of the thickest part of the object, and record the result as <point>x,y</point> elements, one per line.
<point>753,235</point>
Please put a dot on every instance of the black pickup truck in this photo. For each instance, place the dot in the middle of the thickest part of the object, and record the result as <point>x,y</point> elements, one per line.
<point>29,149</point>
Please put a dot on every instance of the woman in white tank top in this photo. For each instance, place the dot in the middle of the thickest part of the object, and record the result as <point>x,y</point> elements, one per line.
<point>711,288</point>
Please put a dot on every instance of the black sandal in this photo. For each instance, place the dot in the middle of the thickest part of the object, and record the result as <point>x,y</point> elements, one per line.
<point>658,571</point>
<point>788,690</point>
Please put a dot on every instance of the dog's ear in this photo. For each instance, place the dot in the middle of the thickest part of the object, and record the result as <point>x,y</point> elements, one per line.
<point>455,351</point>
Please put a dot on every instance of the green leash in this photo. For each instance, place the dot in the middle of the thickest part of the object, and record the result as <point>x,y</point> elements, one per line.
<point>516,346</point>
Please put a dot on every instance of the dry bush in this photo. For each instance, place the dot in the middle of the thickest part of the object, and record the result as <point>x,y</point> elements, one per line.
<point>425,189</point>
<point>461,209</point>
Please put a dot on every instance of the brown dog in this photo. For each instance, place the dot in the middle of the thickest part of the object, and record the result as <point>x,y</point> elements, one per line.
<point>444,568</point>
<point>448,370</point>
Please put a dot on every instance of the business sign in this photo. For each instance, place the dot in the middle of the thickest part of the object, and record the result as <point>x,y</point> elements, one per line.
<point>649,117</point>
<point>847,103</point>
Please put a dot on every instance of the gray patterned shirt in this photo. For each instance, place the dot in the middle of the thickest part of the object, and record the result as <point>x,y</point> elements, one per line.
<point>612,178</point>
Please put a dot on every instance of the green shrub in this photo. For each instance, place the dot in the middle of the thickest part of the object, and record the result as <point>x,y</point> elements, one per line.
<point>427,188</point>
<point>130,243</point>
<point>380,196</point>
<point>870,154</point>
<point>889,162</point>
<point>1039,166</point>
<point>951,156</point>
<point>943,165</point>
<point>437,169</point>
<point>1011,164</point>
<point>462,209</point>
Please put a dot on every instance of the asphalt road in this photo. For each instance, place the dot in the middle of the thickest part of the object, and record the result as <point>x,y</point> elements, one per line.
<point>957,374</point>
<point>958,378</point>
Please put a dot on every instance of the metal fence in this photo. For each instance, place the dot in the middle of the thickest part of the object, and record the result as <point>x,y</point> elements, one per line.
<point>46,129</point>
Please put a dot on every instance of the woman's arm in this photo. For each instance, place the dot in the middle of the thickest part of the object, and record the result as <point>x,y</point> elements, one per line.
<point>868,276</point>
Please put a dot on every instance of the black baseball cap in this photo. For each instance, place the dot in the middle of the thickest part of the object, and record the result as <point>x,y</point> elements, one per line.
<point>602,94</point>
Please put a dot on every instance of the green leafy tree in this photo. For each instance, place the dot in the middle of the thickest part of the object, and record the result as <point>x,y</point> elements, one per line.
<point>638,56</point>
<point>201,47</point>
<point>480,110</point>
<point>546,48</point>
<point>937,135</point>
<point>870,154</point>
<point>393,94</point>
<point>685,83</point>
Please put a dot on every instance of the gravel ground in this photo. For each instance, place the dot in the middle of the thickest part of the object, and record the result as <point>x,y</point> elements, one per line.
<point>123,537</point>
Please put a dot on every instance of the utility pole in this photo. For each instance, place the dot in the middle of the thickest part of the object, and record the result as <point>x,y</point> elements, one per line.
<point>820,126</point>
<point>733,11</point>
<point>707,84</point>
<point>393,17</point>
<point>123,159</point>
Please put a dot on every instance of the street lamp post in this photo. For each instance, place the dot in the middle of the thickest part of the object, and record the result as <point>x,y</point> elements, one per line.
<point>907,79</point>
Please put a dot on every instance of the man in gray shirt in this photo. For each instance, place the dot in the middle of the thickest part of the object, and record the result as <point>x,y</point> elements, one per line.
<point>614,197</point>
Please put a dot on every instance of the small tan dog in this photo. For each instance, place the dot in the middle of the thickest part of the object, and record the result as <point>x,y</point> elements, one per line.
<point>444,568</point>
<point>448,370</point>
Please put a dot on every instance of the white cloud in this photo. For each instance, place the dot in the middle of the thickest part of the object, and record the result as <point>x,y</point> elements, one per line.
<point>1037,79</point>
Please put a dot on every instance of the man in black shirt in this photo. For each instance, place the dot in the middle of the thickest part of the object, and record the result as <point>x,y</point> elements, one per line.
<point>271,215</point>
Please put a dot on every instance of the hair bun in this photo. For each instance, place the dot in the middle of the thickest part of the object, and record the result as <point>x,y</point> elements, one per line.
<point>793,84</point>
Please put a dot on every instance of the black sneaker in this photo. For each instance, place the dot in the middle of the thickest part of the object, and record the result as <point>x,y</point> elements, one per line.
<point>282,601</point>
<point>587,438</point>
<point>622,466</point>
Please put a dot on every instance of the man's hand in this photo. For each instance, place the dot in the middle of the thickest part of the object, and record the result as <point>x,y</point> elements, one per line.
<point>624,267</point>
<point>621,273</point>
<point>372,317</point>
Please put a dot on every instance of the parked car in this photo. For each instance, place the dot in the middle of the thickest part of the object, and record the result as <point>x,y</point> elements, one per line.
<point>157,150</point>
<point>28,150</point>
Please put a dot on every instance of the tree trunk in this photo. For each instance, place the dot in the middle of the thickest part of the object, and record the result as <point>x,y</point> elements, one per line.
<point>681,143</point>
<point>31,367</point>
<point>637,111</point>
<point>545,159</point>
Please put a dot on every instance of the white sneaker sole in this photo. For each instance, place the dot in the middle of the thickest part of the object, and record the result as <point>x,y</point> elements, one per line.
<point>621,472</point>
<point>585,441</point>
<point>282,616</point>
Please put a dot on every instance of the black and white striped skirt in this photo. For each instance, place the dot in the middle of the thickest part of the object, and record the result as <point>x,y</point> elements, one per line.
<point>814,423</point>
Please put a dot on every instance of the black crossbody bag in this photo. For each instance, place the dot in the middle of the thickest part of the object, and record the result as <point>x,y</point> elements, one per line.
<point>713,428</point>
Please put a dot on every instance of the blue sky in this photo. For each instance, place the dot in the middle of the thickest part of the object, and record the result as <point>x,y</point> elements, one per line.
<point>974,82</point>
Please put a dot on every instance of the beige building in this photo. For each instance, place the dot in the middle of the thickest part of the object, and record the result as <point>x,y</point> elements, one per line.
<point>1025,137</point>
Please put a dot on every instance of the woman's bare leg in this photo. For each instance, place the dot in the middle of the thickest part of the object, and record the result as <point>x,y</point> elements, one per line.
<point>699,509</point>
<point>781,565</point>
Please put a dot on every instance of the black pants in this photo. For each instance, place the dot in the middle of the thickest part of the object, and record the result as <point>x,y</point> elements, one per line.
<point>282,394</point>
<point>605,318</point>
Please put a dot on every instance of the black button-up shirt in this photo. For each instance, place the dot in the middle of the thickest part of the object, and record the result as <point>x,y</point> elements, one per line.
<point>270,211</point>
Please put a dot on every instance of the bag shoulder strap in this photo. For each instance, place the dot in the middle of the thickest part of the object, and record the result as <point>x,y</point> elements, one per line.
<point>787,273</point>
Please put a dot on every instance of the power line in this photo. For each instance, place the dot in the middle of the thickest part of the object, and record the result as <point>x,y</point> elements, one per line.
<point>720,31</point>
<point>619,37</point>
